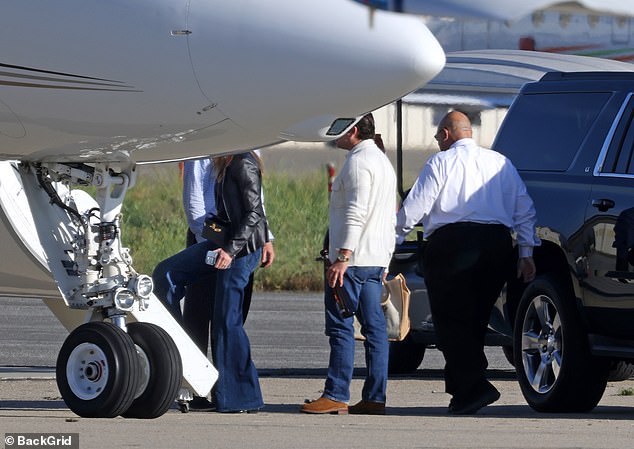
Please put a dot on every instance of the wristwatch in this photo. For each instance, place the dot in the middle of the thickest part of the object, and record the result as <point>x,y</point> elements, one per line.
<point>342,258</point>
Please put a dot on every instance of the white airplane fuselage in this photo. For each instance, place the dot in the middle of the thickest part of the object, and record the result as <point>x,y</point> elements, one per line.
<point>89,89</point>
<point>172,79</point>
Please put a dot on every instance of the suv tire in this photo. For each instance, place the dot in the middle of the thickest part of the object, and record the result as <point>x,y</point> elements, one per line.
<point>405,356</point>
<point>555,369</point>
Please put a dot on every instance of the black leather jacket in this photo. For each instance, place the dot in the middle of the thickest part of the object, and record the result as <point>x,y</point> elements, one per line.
<point>238,198</point>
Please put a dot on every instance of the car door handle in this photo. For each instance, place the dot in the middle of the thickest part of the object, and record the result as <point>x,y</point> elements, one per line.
<point>603,204</point>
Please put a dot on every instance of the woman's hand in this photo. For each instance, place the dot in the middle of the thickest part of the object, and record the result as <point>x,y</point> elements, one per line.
<point>268,255</point>
<point>223,261</point>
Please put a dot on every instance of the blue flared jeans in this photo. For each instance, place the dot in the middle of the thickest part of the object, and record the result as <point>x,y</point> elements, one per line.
<point>238,386</point>
<point>364,287</point>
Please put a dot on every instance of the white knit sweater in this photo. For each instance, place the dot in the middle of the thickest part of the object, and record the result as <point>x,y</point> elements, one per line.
<point>363,207</point>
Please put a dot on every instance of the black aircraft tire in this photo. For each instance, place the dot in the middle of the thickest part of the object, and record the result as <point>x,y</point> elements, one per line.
<point>98,370</point>
<point>165,371</point>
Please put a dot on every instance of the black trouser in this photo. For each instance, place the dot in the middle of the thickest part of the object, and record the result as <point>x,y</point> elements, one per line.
<point>466,265</point>
<point>199,305</point>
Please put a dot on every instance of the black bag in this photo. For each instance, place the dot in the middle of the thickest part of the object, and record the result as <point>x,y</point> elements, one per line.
<point>216,230</point>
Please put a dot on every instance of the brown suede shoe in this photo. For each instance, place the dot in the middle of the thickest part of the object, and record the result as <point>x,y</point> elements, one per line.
<point>324,405</point>
<point>367,408</point>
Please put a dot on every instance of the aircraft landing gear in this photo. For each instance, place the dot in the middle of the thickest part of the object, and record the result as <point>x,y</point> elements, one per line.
<point>98,370</point>
<point>123,355</point>
<point>102,372</point>
<point>107,368</point>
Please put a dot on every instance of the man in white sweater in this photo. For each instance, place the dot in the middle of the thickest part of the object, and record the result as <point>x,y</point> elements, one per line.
<point>361,242</point>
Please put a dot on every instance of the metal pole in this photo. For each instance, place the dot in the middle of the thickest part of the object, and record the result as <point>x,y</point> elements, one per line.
<point>399,147</point>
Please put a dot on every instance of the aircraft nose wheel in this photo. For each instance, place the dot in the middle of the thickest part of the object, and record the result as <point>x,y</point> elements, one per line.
<point>162,367</point>
<point>98,370</point>
<point>88,369</point>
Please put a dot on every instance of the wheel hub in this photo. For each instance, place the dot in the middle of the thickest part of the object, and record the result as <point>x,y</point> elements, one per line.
<point>87,371</point>
<point>540,345</point>
<point>547,343</point>
<point>93,371</point>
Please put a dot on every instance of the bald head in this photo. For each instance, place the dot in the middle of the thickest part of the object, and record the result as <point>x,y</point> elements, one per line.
<point>453,127</point>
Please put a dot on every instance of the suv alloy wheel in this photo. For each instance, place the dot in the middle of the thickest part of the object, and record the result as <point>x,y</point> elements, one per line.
<point>555,369</point>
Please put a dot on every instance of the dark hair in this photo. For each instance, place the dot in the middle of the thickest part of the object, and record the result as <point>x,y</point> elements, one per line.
<point>365,127</point>
<point>222,162</point>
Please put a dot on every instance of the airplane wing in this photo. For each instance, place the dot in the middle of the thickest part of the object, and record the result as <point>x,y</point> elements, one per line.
<point>486,79</point>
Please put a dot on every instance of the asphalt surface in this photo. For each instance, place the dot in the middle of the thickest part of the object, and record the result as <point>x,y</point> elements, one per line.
<point>291,352</point>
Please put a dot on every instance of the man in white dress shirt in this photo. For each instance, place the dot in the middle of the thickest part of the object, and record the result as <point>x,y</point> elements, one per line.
<point>468,199</point>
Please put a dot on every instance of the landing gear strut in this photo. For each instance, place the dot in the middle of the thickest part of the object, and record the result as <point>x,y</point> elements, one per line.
<point>106,367</point>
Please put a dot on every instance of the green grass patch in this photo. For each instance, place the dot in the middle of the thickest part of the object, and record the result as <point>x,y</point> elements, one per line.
<point>154,225</point>
<point>626,392</point>
<point>297,210</point>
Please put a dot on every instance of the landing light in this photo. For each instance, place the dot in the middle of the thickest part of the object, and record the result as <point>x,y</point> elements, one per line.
<point>143,286</point>
<point>124,299</point>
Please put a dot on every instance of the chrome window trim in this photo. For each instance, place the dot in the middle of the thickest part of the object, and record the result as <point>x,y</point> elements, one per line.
<point>608,140</point>
<point>616,175</point>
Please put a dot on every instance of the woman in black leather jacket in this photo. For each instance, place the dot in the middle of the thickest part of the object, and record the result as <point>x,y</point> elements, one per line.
<point>238,200</point>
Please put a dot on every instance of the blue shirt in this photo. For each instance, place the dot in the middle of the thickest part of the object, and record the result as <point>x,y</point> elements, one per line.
<point>199,181</point>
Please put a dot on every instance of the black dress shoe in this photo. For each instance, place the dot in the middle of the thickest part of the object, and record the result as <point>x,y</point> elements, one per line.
<point>201,404</point>
<point>474,403</point>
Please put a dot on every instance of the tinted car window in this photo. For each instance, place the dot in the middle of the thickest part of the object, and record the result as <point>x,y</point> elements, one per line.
<point>564,120</point>
<point>619,155</point>
<point>626,163</point>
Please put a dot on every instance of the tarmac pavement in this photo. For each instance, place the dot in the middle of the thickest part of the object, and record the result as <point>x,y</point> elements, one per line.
<point>290,350</point>
<point>416,418</point>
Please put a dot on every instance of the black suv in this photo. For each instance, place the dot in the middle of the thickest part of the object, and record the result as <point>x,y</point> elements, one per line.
<point>571,137</point>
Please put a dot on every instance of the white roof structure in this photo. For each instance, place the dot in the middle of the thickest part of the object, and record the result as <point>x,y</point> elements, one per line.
<point>511,9</point>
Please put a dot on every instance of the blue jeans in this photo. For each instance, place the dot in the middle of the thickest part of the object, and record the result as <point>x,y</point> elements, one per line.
<point>238,386</point>
<point>173,274</point>
<point>364,286</point>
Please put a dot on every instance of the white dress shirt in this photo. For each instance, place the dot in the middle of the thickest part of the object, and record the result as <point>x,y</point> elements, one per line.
<point>362,205</point>
<point>467,183</point>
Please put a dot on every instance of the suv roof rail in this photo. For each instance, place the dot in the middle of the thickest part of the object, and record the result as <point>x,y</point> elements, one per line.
<point>562,76</point>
